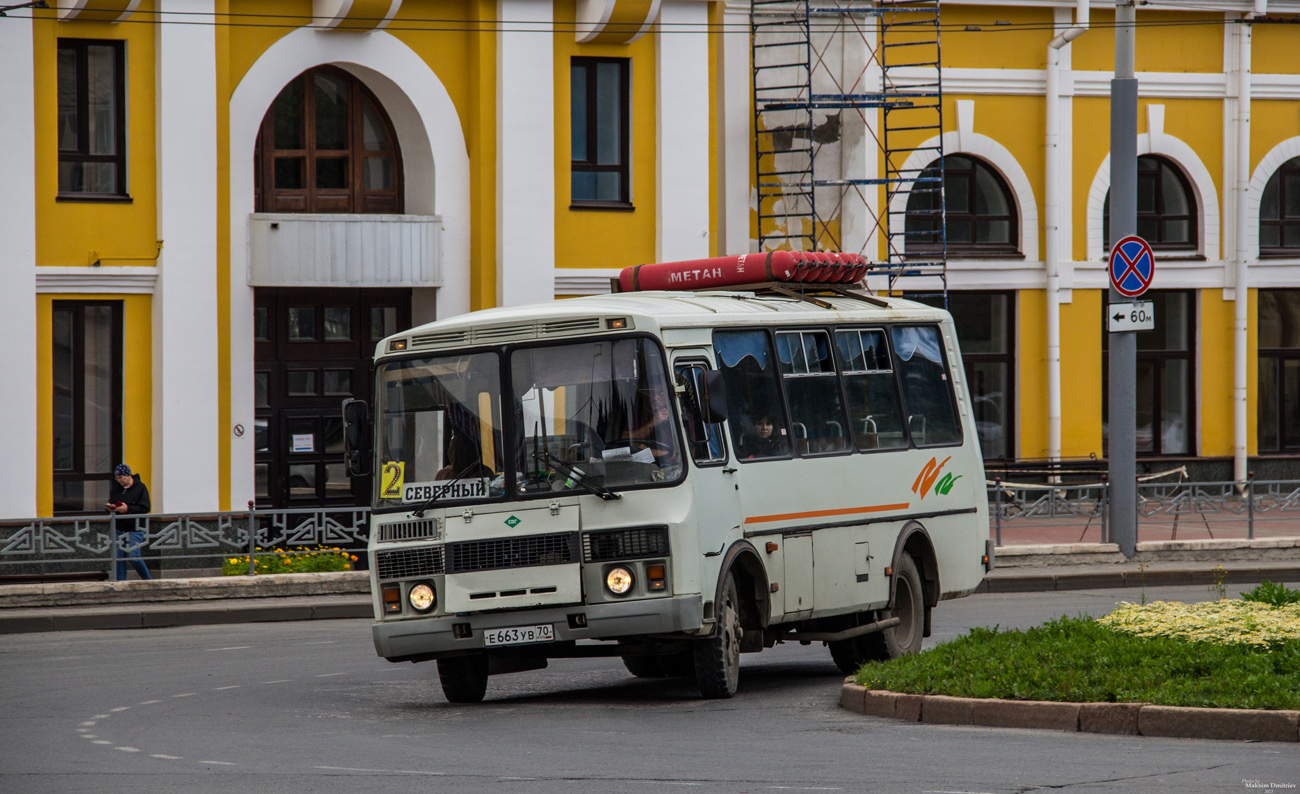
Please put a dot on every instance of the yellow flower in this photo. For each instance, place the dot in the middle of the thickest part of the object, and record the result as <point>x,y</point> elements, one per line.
<point>346,566</point>
<point>353,556</point>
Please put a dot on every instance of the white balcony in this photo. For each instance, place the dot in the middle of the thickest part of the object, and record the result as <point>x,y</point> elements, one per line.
<point>295,250</point>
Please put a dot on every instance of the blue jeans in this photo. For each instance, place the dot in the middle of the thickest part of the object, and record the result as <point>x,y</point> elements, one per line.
<point>134,540</point>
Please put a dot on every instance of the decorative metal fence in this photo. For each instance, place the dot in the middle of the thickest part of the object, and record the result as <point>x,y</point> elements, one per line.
<point>82,546</point>
<point>1022,513</point>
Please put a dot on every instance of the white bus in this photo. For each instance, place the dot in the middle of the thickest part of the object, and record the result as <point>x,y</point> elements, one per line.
<point>681,476</point>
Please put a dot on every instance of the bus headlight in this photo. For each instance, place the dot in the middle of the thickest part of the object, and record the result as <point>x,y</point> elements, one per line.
<point>422,597</point>
<point>619,580</point>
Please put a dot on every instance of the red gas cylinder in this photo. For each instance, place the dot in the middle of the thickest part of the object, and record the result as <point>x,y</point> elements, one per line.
<point>812,267</point>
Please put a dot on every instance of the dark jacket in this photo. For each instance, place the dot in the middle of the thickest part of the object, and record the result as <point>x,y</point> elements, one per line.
<point>136,499</point>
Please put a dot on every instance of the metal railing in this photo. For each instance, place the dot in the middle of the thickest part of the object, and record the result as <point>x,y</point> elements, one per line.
<point>72,545</point>
<point>1064,512</point>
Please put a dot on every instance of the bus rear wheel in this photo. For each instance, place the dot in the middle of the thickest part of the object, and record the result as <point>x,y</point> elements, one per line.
<point>464,678</point>
<point>909,608</point>
<point>717,659</point>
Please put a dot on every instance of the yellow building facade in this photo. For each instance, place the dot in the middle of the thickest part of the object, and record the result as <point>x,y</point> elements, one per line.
<point>214,208</point>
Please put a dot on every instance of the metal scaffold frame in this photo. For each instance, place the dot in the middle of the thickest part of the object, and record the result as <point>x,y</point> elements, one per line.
<point>848,106</point>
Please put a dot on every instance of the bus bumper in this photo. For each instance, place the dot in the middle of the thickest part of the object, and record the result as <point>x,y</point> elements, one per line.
<point>430,638</point>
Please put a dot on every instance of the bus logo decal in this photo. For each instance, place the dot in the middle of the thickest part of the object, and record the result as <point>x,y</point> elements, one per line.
<point>928,475</point>
<point>513,521</point>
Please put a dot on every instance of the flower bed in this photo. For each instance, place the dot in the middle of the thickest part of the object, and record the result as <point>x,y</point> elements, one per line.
<point>301,560</point>
<point>1221,622</point>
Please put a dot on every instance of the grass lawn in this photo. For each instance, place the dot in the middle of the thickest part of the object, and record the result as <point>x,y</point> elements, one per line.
<point>1082,660</point>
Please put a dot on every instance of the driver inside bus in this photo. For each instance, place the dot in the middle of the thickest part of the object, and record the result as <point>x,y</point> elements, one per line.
<point>463,461</point>
<point>655,433</point>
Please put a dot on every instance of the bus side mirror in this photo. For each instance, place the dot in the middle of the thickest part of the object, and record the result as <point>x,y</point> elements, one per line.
<point>715,397</point>
<point>356,437</point>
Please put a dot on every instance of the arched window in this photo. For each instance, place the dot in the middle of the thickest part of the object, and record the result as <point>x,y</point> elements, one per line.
<point>1279,212</point>
<point>981,212</point>
<point>1166,207</point>
<point>326,145</point>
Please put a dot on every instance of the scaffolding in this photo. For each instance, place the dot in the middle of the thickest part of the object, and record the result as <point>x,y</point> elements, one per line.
<point>848,123</point>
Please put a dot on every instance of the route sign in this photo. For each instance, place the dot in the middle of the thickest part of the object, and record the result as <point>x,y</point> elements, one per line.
<point>1135,316</point>
<point>1132,266</point>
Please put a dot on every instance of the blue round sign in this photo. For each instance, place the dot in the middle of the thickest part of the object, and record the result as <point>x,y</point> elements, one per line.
<point>1132,266</point>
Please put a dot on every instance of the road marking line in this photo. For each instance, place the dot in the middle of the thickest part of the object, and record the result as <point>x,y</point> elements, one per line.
<point>121,708</point>
<point>279,681</point>
<point>221,763</point>
<point>87,723</point>
<point>101,741</point>
<point>165,757</point>
<point>82,730</point>
<point>148,702</point>
<point>185,695</point>
<point>222,688</point>
<point>89,736</point>
<point>329,675</point>
<point>232,648</point>
<point>100,716</point>
<point>322,642</point>
<point>128,749</point>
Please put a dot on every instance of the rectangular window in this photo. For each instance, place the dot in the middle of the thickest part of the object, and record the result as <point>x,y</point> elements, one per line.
<point>86,354</point>
<point>599,114</point>
<point>984,322</point>
<point>875,414</point>
<point>92,118</point>
<point>711,449</point>
<point>927,389</point>
<point>1163,378</point>
<point>758,426</point>
<point>813,390</point>
<point>1279,370</point>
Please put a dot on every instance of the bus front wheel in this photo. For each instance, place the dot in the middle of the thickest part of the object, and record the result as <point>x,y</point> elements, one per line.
<point>717,659</point>
<point>464,678</point>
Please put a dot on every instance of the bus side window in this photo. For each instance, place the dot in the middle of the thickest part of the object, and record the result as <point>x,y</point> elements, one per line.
<point>713,449</point>
<point>874,411</point>
<point>811,385</point>
<point>754,412</point>
<point>927,386</point>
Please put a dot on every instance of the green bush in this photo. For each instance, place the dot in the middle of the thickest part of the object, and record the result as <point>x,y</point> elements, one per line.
<point>279,560</point>
<point>1079,660</point>
<point>1272,593</point>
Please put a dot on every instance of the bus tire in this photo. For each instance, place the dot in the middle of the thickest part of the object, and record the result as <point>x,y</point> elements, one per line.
<point>464,678</point>
<point>909,607</point>
<point>643,666</point>
<point>717,659</point>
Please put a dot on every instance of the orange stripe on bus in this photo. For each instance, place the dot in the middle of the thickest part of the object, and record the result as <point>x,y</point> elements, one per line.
<point>847,511</point>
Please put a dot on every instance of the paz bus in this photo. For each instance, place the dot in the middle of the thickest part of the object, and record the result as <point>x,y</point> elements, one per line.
<point>723,455</point>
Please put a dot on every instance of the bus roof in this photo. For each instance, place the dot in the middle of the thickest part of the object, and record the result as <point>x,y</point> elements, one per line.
<point>649,311</point>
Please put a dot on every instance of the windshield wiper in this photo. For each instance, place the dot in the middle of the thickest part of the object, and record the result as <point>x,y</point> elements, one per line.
<point>437,494</point>
<point>576,477</point>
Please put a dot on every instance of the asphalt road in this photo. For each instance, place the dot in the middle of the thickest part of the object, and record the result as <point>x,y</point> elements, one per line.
<point>308,707</point>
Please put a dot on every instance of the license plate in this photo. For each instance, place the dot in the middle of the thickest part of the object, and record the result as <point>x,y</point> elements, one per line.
<point>519,635</point>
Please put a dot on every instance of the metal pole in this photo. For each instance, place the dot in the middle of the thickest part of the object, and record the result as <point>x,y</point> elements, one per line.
<point>997,509</point>
<point>1123,346</point>
<point>112,563</point>
<point>1250,505</point>
<point>1105,488</point>
<point>252,537</point>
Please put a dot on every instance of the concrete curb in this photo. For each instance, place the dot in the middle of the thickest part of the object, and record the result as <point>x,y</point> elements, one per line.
<point>1208,552</point>
<point>155,615</point>
<point>86,594</point>
<point>1031,580</point>
<point>1128,719</point>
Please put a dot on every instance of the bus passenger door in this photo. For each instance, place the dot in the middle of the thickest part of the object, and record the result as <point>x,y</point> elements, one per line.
<point>713,475</point>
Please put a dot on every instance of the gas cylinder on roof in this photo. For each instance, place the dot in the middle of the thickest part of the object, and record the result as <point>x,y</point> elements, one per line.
<point>806,267</point>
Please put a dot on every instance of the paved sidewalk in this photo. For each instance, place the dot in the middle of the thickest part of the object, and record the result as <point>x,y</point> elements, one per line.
<point>321,596</point>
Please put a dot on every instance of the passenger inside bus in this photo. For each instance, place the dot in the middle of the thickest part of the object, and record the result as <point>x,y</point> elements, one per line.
<point>762,442</point>
<point>463,461</point>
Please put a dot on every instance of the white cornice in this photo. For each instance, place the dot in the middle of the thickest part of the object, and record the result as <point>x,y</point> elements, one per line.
<point>1033,82</point>
<point>80,280</point>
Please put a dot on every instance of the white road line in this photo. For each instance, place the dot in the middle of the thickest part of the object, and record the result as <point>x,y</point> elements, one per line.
<point>101,717</point>
<point>322,642</point>
<point>87,723</point>
<point>82,730</point>
<point>223,688</point>
<point>232,648</point>
<point>220,763</point>
<point>89,736</point>
<point>148,702</point>
<point>185,695</point>
<point>121,708</point>
<point>280,681</point>
<point>101,741</point>
<point>128,749</point>
<point>329,675</point>
<point>165,757</point>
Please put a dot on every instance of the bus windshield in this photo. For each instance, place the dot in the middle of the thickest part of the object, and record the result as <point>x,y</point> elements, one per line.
<point>598,412</point>
<point>439,430</point>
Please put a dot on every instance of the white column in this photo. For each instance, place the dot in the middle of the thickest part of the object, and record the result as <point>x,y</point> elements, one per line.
<point>736,140</point>
<point>682,113</point>
<point>525,152</point>
<point>18,267</point>
<point>185,384</point>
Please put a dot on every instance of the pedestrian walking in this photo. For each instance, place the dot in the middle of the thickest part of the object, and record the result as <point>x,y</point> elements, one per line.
<point>128,495</point>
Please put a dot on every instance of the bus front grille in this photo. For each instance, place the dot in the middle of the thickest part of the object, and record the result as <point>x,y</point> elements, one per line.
<point>409,563</point>
<point>625,544</point>
<point>424,529</point>
<point>522,552</point>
